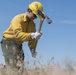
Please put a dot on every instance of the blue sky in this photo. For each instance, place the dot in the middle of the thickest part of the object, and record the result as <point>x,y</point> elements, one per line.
<point>58,39</point>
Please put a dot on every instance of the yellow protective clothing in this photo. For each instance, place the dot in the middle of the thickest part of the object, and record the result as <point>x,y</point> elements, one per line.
<point>35,6</point>
<point>20,29</point>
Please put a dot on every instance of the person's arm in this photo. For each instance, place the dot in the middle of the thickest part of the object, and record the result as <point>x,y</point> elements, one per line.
<point>18,32</point>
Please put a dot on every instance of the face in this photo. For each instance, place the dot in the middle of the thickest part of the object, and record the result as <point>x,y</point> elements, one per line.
<point>31,16</point>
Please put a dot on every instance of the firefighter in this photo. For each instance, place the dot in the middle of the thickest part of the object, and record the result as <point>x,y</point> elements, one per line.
<point>22,29</point>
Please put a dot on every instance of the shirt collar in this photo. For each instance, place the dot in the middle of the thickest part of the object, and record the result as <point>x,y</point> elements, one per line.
<point>25,19</point>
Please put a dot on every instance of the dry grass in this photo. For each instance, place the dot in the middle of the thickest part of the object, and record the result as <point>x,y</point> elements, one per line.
<point>36,68</point>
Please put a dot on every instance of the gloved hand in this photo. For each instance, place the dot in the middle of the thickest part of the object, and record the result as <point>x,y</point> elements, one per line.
<point>36,35</point>
<point>33,53</point>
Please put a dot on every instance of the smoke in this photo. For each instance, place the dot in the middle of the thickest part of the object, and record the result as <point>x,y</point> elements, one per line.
<point>73,22</point>
<point>68,22</point>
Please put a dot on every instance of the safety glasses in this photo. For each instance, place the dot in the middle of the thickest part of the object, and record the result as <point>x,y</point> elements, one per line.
<point>34,15</point>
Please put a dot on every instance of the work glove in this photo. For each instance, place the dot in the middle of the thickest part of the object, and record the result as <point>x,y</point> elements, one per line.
<point>36,35</point>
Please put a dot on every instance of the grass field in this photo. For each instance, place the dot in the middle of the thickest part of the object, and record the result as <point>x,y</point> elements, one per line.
<point>36,68</point>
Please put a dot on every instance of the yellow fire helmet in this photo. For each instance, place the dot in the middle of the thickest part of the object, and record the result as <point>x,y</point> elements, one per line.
<point>35,6</point>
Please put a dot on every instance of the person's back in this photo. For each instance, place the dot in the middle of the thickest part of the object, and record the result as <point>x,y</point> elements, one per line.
<point>18,27</point>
